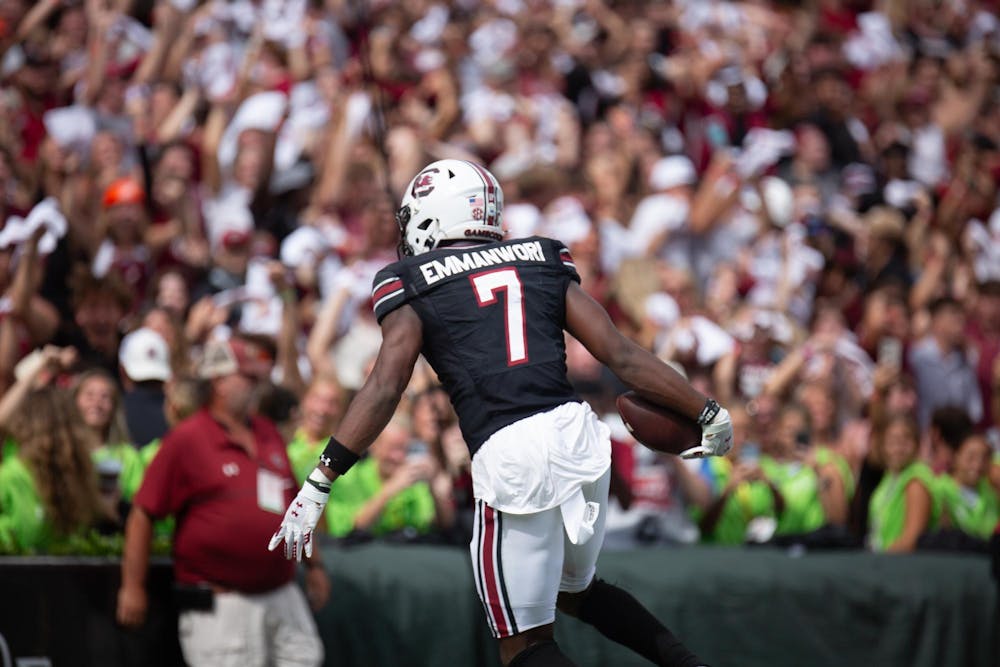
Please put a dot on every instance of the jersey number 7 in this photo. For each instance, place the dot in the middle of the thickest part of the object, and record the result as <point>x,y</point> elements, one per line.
<point>486,285</point>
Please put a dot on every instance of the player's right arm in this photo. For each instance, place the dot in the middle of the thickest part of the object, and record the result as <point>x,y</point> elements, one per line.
<point>638,368</point>
<point>376,401</point>
<point>369,412</point>
<point>642,371</point>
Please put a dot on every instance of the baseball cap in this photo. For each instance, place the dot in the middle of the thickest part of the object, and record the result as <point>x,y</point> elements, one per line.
<point>672,171</point>
<point>235,355</point>
<point>144,355</point>
<point>123,191</point>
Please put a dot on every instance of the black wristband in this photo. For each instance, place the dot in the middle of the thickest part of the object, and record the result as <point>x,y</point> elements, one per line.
<point>338,458</point>
<point>709,411</point>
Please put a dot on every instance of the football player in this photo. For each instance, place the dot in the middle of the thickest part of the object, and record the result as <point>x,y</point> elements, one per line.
<point>489,315</point>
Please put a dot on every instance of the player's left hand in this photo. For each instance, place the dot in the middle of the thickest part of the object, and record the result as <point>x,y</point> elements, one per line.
<point>300,519</point>
<point>716,438</point>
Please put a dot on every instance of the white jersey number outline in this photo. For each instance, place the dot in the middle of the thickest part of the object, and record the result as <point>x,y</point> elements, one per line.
<point>486,285</point>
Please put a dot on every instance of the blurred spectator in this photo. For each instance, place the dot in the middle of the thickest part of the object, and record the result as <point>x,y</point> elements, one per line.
<point>744,373</point>
<point>26,318</point>
<point>48,484</point>
<point>949,428</point>
<point>390,491</point>
<point>435,426</point>
<point>810,171</point>
<point>99,307</point>
<point>99,403</point>
<point>694,341</point>
<point>183,396</point>
<point>830,356</point>
<point>969,502</point>
<point>345,335</point>
<point>163,322</point>
<point>893,394</point>
<point>176,237</point>
<point>941,365</point>
<point>983,329</point>
<point>905,504</point>
<point>145,364</point>
<point>885,326</point>
<point>170,292</point>
<point>322,406</point>
<point>744,496</point>
<point>223,474</point>
<point>120,248</point>
<point>807,478</point>
<point>845,135</point>
<point>661,220</point>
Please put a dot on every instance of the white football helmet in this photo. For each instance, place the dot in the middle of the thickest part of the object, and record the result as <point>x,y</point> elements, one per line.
<point>449,200</point>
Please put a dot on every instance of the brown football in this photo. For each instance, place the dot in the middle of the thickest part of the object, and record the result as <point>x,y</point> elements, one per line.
<point>658,427</point>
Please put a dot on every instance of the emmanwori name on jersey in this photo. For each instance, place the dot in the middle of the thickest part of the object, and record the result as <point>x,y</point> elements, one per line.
<point>435,270</point>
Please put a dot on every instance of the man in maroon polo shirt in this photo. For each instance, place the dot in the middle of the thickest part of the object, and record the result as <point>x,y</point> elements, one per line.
<point>225,476</point>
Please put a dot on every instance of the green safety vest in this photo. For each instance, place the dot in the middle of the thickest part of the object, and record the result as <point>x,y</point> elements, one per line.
<point>887,508</point>
<point>413,507</point>
<point>799,487</point>
<point>825,456</point>
<point>8,449</point>
<point>23,527</point>
<point>747,501</point>
<point>973,511</point>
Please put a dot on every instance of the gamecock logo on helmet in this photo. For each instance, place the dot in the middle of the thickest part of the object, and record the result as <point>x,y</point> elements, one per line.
<point>423,184</point>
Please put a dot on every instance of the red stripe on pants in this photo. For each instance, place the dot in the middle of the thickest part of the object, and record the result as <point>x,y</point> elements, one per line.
<point>492,594</point>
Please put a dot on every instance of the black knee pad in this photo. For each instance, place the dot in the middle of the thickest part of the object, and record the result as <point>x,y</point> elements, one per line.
<point>542,654</point>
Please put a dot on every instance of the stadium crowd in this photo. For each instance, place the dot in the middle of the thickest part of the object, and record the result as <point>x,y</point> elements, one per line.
<point>796,203</point>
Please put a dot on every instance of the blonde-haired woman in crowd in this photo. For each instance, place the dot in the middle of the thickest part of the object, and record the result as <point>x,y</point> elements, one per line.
<point>48,487</point>
<point>98,401</point>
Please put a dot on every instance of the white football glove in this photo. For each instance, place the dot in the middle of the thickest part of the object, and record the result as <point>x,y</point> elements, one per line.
<point>716,437</point>
<point>301,517</point>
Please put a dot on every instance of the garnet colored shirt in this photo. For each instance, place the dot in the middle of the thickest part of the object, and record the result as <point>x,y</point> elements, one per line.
<point>216,491</point>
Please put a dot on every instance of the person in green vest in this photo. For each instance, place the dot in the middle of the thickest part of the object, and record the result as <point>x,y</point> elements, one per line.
<point>389,491</point>
<point>969,501</point>
<point>810,482</point>
<point>322,406</point>
<point>98,400</point>
<point>746,495</point>
<point>48,486</point>
<point>742,494</point>
<point>905,504</point>
<point>819,402</point>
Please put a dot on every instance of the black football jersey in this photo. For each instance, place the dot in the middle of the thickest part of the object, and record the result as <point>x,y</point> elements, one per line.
<point>493,317</point>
